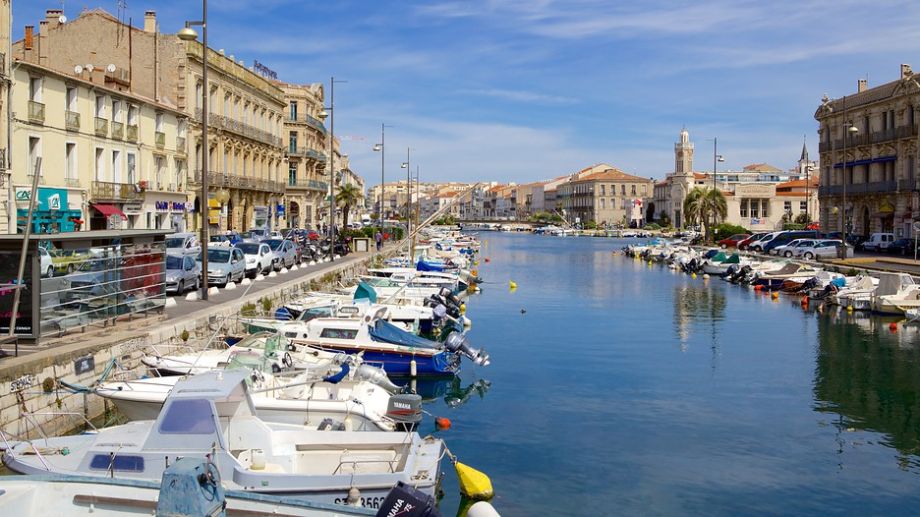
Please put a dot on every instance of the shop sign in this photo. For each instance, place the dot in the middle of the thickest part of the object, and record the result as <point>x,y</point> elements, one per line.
<point>170,206</point>
<point>132,208</point>
<point>48,198</point>
<point>114,222</point>
<point>162,206</point>
<point>280,210</point>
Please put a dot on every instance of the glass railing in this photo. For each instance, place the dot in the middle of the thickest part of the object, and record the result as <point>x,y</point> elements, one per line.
<point>94,285</point>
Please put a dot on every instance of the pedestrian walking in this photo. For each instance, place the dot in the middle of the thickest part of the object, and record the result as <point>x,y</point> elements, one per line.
<point>378,238</point>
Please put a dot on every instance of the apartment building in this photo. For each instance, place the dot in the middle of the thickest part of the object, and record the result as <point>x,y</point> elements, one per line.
<point>306,151</point>
<point>608,197</point>
<point>110,158</point>
<point>868,154</point>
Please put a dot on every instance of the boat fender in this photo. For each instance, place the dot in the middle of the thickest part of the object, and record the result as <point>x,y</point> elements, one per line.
<point>482,509</point>
<point>413,368</point>
<point>354,497</point>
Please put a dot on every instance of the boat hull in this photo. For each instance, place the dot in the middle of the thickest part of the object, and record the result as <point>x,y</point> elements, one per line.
<point>398,363</point>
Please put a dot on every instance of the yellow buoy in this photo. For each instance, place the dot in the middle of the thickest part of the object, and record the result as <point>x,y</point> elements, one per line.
<point>774,295</point>
<point>693,275</point>
<point>473,483</point>
<point>462,308</point>
<point>512,284</point>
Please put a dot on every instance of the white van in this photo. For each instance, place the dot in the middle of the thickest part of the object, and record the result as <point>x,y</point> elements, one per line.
<point>758,245</point>
<point>878,241</point>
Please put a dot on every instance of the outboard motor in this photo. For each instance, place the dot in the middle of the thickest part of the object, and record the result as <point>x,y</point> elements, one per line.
<point>407,501</point>
<point>406,410</point>
<point>457,343</point>
<point>366,372</point>
<point>191,486</point>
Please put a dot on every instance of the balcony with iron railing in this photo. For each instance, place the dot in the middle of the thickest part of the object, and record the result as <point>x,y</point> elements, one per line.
<point>131,133</point>
<point>308,120</point>
<point>109,191</point>
<point>160,138</point>
<point>875,137</point>
<point>118,130</point>
<point>2,64</point>
<point>316,185</point>
<point>36,112</point>
<point>221,180</point>
<point>874,187</point>
<point>235,126</point>
<point>101,126</point>
<point>71,120</point>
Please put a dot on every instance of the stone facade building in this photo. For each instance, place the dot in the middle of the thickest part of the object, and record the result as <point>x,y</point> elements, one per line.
<point>306,150</point>
<point>609,197</point>
<point>869,173</point>
<point>7,199</point>
<point>246,153</point>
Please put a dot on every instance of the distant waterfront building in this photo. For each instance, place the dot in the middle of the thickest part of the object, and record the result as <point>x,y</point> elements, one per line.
<point>607,197</point>
<point>879,170</point>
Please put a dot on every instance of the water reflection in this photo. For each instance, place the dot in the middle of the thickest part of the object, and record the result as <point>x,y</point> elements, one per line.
<point>696,303</point>
<point>452,390</point>
<point>866,374</point>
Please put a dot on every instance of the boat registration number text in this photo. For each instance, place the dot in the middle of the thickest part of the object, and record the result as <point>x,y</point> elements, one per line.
<point>367,502</point>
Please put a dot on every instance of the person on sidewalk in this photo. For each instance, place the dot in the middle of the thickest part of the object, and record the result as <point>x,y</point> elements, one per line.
<point>378,238</point>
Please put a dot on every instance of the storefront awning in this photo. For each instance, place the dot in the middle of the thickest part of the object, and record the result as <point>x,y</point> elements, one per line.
<point>109,210</point>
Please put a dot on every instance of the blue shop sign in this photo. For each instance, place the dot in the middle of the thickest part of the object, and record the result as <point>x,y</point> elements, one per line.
<point>280,210</point>
<point>48,198</point>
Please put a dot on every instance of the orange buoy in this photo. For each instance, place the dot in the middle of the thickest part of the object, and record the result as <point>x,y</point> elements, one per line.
<point>804,300</point>
<point>775,295</point>
<point>487,261</point>
<point>442,423</point>
<point>893,326</point>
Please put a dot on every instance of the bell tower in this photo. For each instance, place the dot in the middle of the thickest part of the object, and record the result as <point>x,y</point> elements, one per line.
<point>683,154</point>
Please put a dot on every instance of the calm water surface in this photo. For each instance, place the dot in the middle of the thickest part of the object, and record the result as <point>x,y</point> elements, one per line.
<point>630,389</point>
<point>627,389</point>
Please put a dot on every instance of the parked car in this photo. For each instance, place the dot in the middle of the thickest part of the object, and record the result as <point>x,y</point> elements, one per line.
<point>259,257</point>
<point>902,247</point>
<point>185,242</point>
<point>823,249</point>
<point>283,252</point>
<point>878,241</point>
<point>220,240</point>
<point>67,261</point>
<point>225,265</point>
<point>788,250</point>
<point>182,273</point>
<point>787,237</point>
<point>733,241</point>
<point>47,268</point>
<point>746,243</point>
<point>766,239</point>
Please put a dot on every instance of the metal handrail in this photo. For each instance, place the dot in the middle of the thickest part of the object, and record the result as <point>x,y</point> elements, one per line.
<point>356,462</point>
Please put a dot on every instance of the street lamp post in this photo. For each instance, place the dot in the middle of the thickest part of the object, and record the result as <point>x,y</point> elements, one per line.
<point>405,165</point>
<point>808,169</point>
<point>716,158</point>
<point>380,147</point>
<point>189,34</point>
<point>848,127</point>
<point>330,112</point>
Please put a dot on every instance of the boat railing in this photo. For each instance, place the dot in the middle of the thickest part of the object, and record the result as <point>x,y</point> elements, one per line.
<point>354,464</point>
<point>38,454</point>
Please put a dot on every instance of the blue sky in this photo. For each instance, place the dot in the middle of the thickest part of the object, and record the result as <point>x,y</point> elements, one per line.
<point>521,90</point>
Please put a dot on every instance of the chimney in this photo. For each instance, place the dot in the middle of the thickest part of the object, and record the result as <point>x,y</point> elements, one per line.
<point>150,21</point>
<point>30,29</point>
<point>43,28</point>
<point>862,85</point>
<point>53,17</point>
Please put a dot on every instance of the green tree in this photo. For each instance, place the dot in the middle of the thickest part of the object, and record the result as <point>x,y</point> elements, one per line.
<point>706,207</point>
<point>347,197</point>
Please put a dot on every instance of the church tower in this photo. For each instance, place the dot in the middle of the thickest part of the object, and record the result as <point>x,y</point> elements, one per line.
<point>683,154</point>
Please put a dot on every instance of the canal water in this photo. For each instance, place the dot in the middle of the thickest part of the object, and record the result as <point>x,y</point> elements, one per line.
<point>622,388</point>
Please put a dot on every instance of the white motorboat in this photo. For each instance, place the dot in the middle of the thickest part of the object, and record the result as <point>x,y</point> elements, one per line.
<point>212,415</point>
<point>906,294</point>
<point>270,346</point>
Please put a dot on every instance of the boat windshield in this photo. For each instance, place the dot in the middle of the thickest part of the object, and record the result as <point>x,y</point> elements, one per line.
<point>192,416</point>
<point>316,312</point>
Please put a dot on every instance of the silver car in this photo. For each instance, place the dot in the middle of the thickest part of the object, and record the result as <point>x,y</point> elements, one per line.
<point>182,273</point>
<point>225,265</point>
<point>185,242</point>
<point>284,253</point>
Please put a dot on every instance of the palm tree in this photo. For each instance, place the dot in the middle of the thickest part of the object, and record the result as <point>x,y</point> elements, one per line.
<point>347,197</point>
<point>706,207</point>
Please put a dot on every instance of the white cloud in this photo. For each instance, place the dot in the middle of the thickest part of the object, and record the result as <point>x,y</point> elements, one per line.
<point>520,96</point>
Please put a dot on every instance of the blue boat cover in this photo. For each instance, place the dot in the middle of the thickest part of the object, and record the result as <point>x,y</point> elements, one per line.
<point>839,282</point>
<point>283,314</point>
<point>386,332</point>
<point>428,266</point>
<point>365,292</point>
